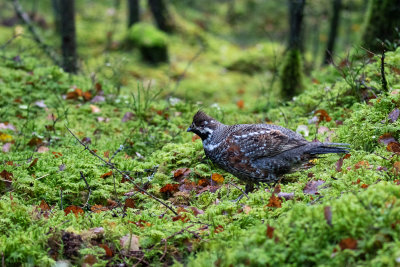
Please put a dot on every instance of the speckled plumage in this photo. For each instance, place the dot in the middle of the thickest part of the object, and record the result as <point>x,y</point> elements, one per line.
<point>257,152</point>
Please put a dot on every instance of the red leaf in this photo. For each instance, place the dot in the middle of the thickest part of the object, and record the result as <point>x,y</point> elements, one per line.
<point>219,229</point>
<point>217,178</point>
<point>393,147</point>
<point>182,172</point>
<point>170,188</point>
<point>322,115</point>
<point>240,104</point>
<point>6,175</point>
<point>270,232</point>
<point>348,243</point>
<point>56,154</point>
<point>182,218</point>
<point>107,174</point>
<point>108,251</point>
<point>44,206</point>
<point>364,186</point>
<point>203,182</point>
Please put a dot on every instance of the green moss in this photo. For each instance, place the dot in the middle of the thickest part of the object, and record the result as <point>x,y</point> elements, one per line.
<point>291,75</point>
<point>146,35</point>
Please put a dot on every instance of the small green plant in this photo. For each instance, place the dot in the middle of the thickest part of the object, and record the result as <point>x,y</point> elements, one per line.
<point>143,98</point>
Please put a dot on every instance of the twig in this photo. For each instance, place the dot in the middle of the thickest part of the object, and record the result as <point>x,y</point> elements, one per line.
<point>25,18</point>
<point>88,188</point>
<point>42,176</point>
<point>61,202</point>
<point>241,190</point>
<point>180,77</point>
<point>384,82</point>
<point>121,147</point>
<point>112,167</point>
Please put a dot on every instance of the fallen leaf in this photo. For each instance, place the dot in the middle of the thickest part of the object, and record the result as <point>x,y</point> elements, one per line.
<point>274,202</point>
<point>5,138</point>
<point>386,139</point>
<point>348,243</point>
<point>364,186</point>
<point>129,242</point>
<point>61,167</point>
<point>203,182</point>
<point>43,149</point>
<point>328,215</point>
<point>87,96</point>
<point>322,115</point>
<point>240,104</point>
<point>210,188</point>
<point>107,154</point>
<point>7,126</point>
<point>181,173</point>
<point>6,175</point>
<point>40,104</point>
<point>394,115</point>
<point>277,189</point>
<point>74,209</point>
<point>33,163</point>
<point>396,168</point>
<point>195,137</point>
<point>311,187</point>
<point>287,196</point>
<point>129,203</point>
<point>360,164</point>
<point>270,232</point>
<point>107,249</point>
<point>218,178</point>
<point>6,147</point>
<point>107,174</point>
<point>246,209</point>
<point>218,229</point>
<point>89,259</point>
<point>394,147</point>
<point>197,211</point>
<point>182,218</point>
<point>86,141</point>
<point>98,208</point>
<point>169,189</point>
<point>339,165</point>
<point>56,154</point>
<point>347,156</point>
<point>35,141</point>
<point>141,223</point>
<point>127,117</point>
<point>44,206</point>
<point>98,99</point>
<point>95,109</point>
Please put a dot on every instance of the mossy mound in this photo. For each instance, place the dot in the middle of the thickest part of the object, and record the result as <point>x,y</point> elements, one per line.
<point>153,43</point>
<point>291,74</point>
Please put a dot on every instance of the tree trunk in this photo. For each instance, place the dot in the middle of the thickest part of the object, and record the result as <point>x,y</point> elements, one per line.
<point>296,8</point>
<point>381,22</point>
<point>133,12</point>
<point>292,66</point>
<point>160,14</point>
<point>56,11</point>
<point>68,36</point>
<point>336,8</point>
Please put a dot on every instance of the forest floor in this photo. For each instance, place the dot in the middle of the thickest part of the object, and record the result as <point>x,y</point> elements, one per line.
<point>98,169</point>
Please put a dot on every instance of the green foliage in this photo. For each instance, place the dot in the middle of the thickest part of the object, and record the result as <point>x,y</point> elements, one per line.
<point>146,35</point>
<point>291,74</point>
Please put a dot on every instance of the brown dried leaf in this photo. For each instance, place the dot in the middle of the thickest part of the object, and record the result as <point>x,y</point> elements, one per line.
<point>89,259</point>
<point>274,202</point>
<point>107,249</point>
<point>44,206</point>
<point>98,208</point>
<point>219,229</point>
<point>348,243</point>
<point>33,163</point>
<point>130,242</point>
<point>195,137</point>
<point>270,232</point>
<point>311,187</point>
<point>169,188</point>
<point>87,96</point>
<point>339,165</point>
<point>360,164</point>
<point>6,175</point>
<point>196,211</point>
<point>35,141</point>
<point>74,209</point>
<point>107,154</point>
<point>129,203</point>
<point>107,174</point>
<point>394,147</point>
<point>386,139</point>
<point>182,172</point>
<point>396,168</point>
<point>322,115</point>
<point>240,104</point>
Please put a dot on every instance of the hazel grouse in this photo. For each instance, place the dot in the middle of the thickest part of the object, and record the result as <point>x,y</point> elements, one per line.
<point>257,153</point>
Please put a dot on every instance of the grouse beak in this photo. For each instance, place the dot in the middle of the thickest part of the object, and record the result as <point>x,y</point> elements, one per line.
<point>189,129</point>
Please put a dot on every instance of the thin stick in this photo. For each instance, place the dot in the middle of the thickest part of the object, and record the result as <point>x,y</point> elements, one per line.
<point>241,190</point>
<point>42,176</point>
<point>112,167</point>
<point>25,18</point>
<point>88,188</point>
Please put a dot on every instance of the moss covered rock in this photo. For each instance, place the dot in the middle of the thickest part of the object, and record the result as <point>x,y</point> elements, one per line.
<point>151,42</point>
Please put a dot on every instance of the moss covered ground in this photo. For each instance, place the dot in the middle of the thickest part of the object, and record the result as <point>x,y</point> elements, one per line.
<point>61,203</point>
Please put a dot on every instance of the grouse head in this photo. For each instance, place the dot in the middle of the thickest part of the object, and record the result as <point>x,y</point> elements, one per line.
<point>203,125</point>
